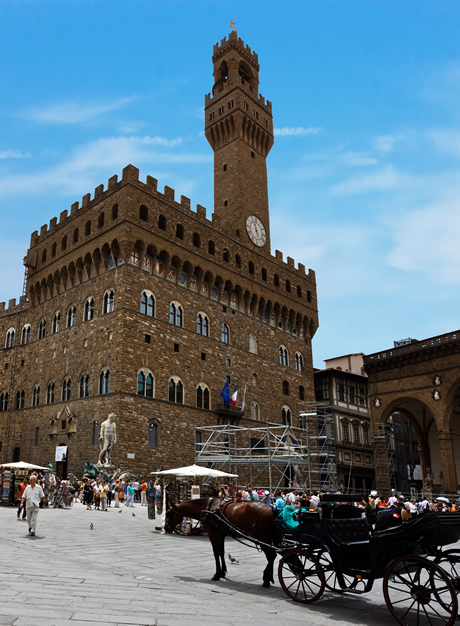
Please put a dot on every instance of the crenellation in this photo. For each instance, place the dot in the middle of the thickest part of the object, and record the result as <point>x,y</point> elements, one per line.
<point>98,191</point>
<point>185,202</point>
<point>43,230</point>
<point>152,183</point>
<point>130,174</point>
<point>301,267</point>
<point>63,216</point>
<point>112,182</point>
<point>290,262</point>
<point>279,256</point>
<point>11,303</point>
<point>85,200</point>
<point>53,223</point>
<point>33,238</point>
<point>169,194</point>
<point>74,208</point>
<point>2,306</point>
<point>201,211</point>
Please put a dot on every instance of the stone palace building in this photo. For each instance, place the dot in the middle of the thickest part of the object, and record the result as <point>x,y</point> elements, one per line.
<point>137,304</point>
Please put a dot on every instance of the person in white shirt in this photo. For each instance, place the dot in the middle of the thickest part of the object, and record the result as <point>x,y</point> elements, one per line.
<point>250,495</point>
<point>392,500</point>
<point>32,496</point>
<point>291,497</point>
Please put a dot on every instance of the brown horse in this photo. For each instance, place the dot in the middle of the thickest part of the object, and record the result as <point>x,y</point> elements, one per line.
<point>253,519</point>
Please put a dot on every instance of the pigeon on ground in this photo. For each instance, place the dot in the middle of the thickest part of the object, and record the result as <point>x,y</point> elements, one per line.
<point>120,511</point>
<point>134,515</point>
<point>91,526</point>
<point>232,560</point>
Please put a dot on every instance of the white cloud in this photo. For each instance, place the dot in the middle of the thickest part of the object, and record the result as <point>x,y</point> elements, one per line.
<point>384,179</point>
<point>446,141</point>
<point>287,131</point>
<point>74,112</point>
<point>426,240</point>
<point>90,162</point>
<point>14,154</point>
<point>355,159</point>
<point>385,143</point>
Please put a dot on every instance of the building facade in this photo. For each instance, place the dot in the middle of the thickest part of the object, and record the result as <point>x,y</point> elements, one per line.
<point>414,393</point>
<point>343,386</point>
<point>137,304</point>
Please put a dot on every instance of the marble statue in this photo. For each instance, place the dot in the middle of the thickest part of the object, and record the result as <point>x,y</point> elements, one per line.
<point>107,439</point>
<point>428,484</point>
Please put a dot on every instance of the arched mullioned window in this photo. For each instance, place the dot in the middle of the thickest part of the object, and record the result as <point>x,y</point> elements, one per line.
<point>4,401</point>
<point>36,396</point>
<point>147,304</point>
<point>25,338</point>
<point>56,323</point>
<point>298,361</point>
<point>66,390</point>
<point>84,386</point>
<point>153,435</point>
<point>176,390</point>
<point>50,393</point>
<point>286,416</point>
<point>202,396</point>
<point>20,399</point>
<point>10,337</point>
<point>285,387</point>
<point>42,329</point>
<point>175,314</point>
<point>89,309</point>
<point>104,382</point>
<point>225,334</point>
<point>283,356</point>
<point>109,301</point>
<point>202,325</point>
<point>145,383</point>
<point>72,316</point>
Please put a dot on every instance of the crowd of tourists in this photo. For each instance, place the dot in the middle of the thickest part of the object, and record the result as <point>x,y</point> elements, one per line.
<point>101,494</point>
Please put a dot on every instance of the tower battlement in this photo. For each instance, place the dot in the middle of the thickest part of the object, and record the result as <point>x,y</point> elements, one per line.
<point>234,39</point>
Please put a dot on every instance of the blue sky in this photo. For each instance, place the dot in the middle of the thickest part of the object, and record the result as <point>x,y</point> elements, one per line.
<point>364,176</point>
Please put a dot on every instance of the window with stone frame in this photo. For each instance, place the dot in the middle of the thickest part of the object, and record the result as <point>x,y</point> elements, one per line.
<point>202,396</point>
<point>104,382</point>
<point>283,356</point>
<point>89,310</point>
<point>252,344</point>
<point>10,337</point>
<point>42,329</point>
<point>175,314</point>
<point>286,416</point>
<point>25,335</point>
<point>50,393</point>
<point>176,391</point>
<point>66,390</point>
<point>285,388</point>
<point>36,396</point>
<point>298,361</point>
<point>147,304</point>
<point>362,393</point>
<point>366,438</point>
<point>197,441</point>
<point>4,401</point>
<point>153,435</point>
<point>255,412</point>
<point>342,390</point>
<point>56,323</point>
<point>109,301</point>
<point>225,334</point>
<point>95,433</point>
<point>322,389</point>
<point>84,386</point>
<point>202,325</point>
<point>211,247</point>
<point>301,393</point>
<point>345,437</point>
<point>72,316</point>
<point>145,383</point>
<point>20,396</point>
<point>355,433</point>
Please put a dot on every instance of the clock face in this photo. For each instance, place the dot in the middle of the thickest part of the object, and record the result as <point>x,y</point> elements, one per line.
<point>256,231</point>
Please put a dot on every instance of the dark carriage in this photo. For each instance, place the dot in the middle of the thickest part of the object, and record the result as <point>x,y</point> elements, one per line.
<point>335,549</point>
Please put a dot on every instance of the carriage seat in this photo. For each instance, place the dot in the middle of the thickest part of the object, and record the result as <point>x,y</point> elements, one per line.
<point>350,532</point>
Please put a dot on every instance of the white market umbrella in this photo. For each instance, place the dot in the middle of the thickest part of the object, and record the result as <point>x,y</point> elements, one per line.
<point>23,465</point>
<point>197,470</point>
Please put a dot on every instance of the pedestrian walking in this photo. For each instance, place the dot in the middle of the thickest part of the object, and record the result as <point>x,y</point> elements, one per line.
<point>130,499</point>
<point>33,495</point>
<point>103,491</point>
<point>143,488</point>
<point>21,489</point>
<point>117,490</point>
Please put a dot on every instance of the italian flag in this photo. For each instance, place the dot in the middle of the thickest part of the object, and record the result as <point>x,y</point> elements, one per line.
<point>234,396</point>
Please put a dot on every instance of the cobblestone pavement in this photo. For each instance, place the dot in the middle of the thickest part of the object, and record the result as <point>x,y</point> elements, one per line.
<point>125,572</point>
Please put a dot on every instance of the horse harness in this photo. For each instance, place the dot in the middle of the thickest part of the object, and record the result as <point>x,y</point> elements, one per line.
<point>213,515</point>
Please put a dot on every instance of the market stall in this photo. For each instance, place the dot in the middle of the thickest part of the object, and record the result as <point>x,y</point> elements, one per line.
<point>10,474</point>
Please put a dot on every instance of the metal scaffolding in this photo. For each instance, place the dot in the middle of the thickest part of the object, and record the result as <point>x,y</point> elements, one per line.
<point>384,459</point>
<point>276,456</point>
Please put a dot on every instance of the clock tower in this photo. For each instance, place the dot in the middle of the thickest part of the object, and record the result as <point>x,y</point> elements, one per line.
<point>239,128</point>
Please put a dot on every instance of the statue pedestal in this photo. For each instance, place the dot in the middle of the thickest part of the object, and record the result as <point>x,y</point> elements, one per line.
<point>107,466</point>
<point>427,494</point>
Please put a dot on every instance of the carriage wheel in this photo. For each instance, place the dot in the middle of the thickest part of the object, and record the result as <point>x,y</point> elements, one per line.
<point>419,592</point>
<point>450,563</point>
<point>330,574</point>
<point>301,576</point>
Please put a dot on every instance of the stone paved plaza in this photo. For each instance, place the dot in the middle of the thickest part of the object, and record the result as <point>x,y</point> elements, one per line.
<point>125,572</point>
